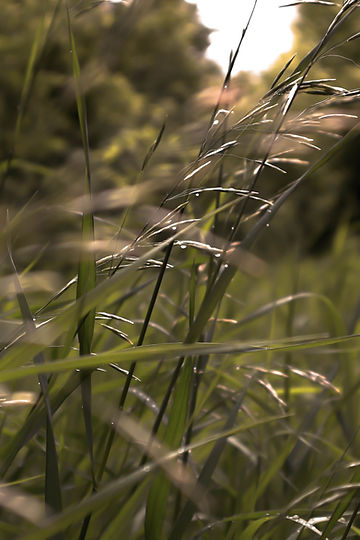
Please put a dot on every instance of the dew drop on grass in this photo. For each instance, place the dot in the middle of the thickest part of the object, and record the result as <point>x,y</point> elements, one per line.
<point>197,194</point>
<point>217,255</point>
<point>268,224</point>
<point>173,228</point>
<point>182,247</point>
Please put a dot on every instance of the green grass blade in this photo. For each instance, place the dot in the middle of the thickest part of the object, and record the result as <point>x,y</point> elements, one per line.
<point>80,102</point>
<point>121,524</point>
<point>255,491</point>
<point>53,497</point>
<point>86,282</point>
<point>87,266</point>
<point>153,147</point>
<point>349,526</point>
<point>208,469</point>
<point>251,529</point>
<point>165,401</point>
<point>157,499</point>
<point>170,351</point>
<point>341,508</point>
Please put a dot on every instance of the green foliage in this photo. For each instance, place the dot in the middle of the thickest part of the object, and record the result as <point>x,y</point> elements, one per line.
<point>218,380</point>
<point>127,98</point>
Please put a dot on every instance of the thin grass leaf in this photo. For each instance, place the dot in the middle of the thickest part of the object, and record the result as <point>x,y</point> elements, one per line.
<point>337,325</point>
<point>208,469</point>
<point>158,495</point>
<point>170,351</point>
<point>338,20</point>
<point>153,147</point>
<point>350,526</point>
<point>87,268</point>
<point>282,71</point>
<point>341,508</point>
<point>122,522</point>
<point>251,529</point>
<point>252,494</point>
<point>53,497</point>
<point>314,2</point>
<point>112,316</point>
<point>117,332</point>
<point>227,78</point>
<point>307,524</point>
<point>251,516</point>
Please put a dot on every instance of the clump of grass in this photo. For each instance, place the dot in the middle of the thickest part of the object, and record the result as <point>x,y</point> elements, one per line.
<point>219,394</point>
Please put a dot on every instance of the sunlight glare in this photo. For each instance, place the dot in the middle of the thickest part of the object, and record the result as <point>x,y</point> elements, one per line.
<point>268,36</point>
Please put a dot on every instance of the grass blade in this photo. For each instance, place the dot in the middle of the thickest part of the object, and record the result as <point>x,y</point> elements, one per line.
<point>87,268</point>
<point>341,508</point>
<point>53,497</point>
<point>171,351</point>
<point>208,469</point>
<point>157,499</point>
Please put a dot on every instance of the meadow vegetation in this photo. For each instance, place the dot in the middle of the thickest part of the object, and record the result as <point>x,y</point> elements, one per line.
<point>180,296</point>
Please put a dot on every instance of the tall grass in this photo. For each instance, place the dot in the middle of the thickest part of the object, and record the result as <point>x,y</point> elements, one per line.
<point>219,392</point>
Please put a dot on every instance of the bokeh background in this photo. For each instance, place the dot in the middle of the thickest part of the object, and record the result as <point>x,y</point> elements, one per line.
<point>144,64</point>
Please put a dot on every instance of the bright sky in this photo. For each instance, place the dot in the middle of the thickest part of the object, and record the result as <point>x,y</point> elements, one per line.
<point>268,36</point>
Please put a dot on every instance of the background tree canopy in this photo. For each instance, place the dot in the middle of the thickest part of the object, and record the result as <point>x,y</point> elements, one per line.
<point>333,195</point>
<point>120,49</point>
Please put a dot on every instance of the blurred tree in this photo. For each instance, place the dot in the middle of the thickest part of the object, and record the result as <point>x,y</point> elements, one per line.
<point>332,194</point>
<point>340,61</point>
<point>140,62</point>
